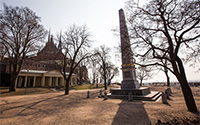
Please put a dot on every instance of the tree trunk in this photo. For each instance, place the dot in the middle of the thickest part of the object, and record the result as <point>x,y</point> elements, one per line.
<point>168,81</point>
<point>167,76</point>
<point>105,84</point>
<point>140,82</point>
<point>67,84</point>
<point>68,78</point>
<point>14,70</point>
<point>188,96</point>
<point>97,85</point>
<point>187,93</point>
<point>109,81</point>
<point>81,81</point>
<point>13,83</point>
<point>93,81</point>
<point>67,87</point>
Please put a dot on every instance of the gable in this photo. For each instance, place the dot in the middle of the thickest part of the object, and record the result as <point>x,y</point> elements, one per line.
<point>49,52</point>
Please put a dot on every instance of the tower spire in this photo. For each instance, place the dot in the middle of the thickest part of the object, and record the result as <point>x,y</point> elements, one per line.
<point>49,36</point>
<point>60,41</point>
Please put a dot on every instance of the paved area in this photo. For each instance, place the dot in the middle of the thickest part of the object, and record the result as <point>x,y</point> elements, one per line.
<point>76,109</point>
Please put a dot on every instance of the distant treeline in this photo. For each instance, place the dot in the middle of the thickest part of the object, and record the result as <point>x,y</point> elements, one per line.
<point>173,83</point>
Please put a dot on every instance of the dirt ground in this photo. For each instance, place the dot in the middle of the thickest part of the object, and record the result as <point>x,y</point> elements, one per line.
<point>76,109</point>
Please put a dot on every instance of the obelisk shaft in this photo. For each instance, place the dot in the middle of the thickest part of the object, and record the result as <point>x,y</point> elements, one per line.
<point>127,55</point>
<point>128,67</point>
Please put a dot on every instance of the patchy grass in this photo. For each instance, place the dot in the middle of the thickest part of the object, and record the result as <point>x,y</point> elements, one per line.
<point>86,86</point>
<point>4,91</point>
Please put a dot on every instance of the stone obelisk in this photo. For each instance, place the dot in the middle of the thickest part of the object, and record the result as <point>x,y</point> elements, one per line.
<point>128,67</point>
<point>129,85</point>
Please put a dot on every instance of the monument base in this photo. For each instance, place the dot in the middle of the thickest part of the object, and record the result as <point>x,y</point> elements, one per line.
<point>142,93</point>
<point>127,84</point>
<point>135,91</point>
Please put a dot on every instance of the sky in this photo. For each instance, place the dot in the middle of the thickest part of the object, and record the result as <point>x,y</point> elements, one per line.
<point>100,16</point>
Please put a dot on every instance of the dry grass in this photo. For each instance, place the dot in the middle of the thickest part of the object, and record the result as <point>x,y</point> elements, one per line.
<point>4,91</point>
<point>87,86</point>
<point>176,109</point>
<point>75,108</point>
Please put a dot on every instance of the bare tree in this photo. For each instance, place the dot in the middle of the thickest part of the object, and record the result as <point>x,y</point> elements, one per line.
<point>20,34</point>
<point>112,71</point>
<point>160,29</point>
<point>93,65</point>
<point>103,56</point>
<point>143,73</point>
<point>75,45</point>
<point>107,70</point>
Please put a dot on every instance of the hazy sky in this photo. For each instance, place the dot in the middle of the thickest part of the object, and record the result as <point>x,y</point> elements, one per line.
<point>100,16</point>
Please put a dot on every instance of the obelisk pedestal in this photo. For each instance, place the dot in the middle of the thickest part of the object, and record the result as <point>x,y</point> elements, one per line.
<point>129,79</point>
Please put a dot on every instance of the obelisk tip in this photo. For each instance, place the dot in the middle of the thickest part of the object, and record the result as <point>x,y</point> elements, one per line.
<point>120,9</point>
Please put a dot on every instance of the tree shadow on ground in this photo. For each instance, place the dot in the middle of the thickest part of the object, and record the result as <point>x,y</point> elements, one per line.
<point>131,113</point>
<point>26,108</point>
<point>23,107</point>
<point>4,92</point>
<point>166,104</point>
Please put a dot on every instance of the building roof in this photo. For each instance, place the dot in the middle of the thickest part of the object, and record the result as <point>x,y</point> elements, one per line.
<point>40,71</point>
<point>32,71</point>
<point>49,52</point>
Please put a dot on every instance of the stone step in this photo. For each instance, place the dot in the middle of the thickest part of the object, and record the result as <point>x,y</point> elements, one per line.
<point>153,96</point>
<point>149,97</point>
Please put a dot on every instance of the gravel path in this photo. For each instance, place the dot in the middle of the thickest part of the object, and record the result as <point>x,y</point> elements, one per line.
<point>76,109</point>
